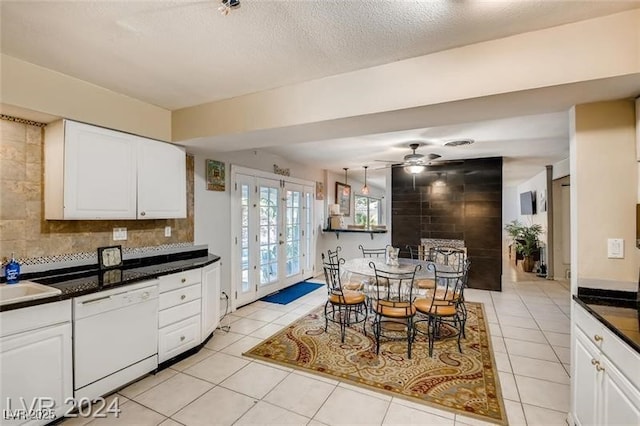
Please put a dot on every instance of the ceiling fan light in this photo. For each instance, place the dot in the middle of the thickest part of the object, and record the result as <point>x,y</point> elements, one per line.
<point>414,169</point>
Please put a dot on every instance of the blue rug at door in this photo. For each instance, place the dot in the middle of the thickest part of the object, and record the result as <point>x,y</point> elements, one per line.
<point>291,293</point>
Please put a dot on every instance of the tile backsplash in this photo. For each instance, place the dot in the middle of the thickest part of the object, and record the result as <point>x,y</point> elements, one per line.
<point>23,229</point>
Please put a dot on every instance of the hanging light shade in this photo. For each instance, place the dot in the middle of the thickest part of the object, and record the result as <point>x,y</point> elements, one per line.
<point>346,190</point>
<point>365,188</point>
<point>414,169</point>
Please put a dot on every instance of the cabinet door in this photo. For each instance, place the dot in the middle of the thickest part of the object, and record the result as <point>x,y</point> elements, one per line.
<point>586,380</point>
<point>36,364</point>
<point>620,399</point>
<point>99,173</point>
<point>162,180</point>
<point>210,299</point>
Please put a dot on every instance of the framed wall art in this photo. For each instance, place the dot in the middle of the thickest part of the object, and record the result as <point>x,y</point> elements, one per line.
<point>343,198</point>
<point>215,175</point>
<point>319,191</point>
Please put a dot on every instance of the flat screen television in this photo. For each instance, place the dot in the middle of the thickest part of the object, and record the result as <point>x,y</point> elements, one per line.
<point>528,203</point>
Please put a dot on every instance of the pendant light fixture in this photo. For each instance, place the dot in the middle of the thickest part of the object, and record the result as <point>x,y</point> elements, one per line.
<point>365,188</point>
<point>346,191</point>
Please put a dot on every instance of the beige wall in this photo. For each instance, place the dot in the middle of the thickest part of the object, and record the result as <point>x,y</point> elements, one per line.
<point>23,229</point>
<point>588,50</point>
<point>603,193</point>
<point>29,86</point>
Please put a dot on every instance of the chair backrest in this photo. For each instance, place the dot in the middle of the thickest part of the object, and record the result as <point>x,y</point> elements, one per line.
<point>449,286</point>
<point>416,252</point>
<point>334,256</point>
<point>332,275</point>
<point>374,252</point>
<point>394,288</point>
<point>454,258</point>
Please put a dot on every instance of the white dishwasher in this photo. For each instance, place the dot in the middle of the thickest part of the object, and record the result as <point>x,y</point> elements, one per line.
<point>115,338</point>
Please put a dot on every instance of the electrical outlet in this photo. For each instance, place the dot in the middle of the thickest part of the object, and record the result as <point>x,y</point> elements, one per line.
<point>119,234</point>
<point>167,231</point>
<point>615,248</point>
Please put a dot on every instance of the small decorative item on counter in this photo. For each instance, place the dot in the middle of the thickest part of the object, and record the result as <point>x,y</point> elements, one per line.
<point>12,271</point>
<point>391,256</point>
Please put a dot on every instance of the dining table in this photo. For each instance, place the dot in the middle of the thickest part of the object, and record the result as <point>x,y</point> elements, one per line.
<point>362,266</point>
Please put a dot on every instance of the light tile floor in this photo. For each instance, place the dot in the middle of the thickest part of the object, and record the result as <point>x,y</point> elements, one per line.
<point>529,326</point>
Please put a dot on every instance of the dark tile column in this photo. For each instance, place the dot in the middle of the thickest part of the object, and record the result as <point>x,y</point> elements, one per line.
<point>454,201</point>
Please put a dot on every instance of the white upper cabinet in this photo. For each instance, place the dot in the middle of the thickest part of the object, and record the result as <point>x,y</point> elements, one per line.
<point>97,173</point>
<point>162,180</point>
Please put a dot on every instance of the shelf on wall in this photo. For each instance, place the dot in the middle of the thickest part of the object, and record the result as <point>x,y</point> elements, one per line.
<point>356,231</point>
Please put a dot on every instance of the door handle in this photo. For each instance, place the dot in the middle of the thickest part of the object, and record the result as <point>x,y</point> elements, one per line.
<point>281,242</point>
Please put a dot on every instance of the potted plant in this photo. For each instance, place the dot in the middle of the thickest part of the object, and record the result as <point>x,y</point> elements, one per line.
<point>526,241</point>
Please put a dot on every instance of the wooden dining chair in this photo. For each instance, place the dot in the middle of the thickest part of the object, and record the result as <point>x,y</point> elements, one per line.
<point>438,313</point>
<point>373,252</point>
<point>343,307</point>
<point>392,305</point>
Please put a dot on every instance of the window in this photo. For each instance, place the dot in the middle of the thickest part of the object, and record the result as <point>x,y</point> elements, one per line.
<point>367,211</point>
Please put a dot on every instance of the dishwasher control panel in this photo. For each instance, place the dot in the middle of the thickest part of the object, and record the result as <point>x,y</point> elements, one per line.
<point>116,298</point>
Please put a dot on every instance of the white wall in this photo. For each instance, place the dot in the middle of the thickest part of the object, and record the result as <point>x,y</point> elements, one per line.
<point>510,211</point>
<point>538,183</point>
<point>213,209</point>
<point>603,194</point>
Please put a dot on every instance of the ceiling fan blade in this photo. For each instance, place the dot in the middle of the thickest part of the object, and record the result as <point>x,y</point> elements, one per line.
<point>386,161</point>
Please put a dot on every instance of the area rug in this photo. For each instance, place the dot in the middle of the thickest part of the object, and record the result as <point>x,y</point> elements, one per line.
<point>464,383</point>
<point>291,293</point>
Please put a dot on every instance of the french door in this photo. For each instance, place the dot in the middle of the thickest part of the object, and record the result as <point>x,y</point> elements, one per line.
<point>273,238</point>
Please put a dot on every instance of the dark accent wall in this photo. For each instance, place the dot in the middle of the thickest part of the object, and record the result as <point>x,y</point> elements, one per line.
<point>454,201</point>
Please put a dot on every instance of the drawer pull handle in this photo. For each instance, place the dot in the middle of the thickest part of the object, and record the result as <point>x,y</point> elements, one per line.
<point>184,296</point>
<point>184,280</point>
<point>597,338</point>
<point>597,365</point>
<point>182,338</point>
<point>594,361</point>
<point>142,213</point>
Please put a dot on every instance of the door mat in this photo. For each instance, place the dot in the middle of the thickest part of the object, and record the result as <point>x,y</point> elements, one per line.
<point>291,293</point>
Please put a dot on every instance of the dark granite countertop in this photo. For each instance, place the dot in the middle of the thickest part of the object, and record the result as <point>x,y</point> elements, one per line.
<point>620,315</point>
<point>80,281</point>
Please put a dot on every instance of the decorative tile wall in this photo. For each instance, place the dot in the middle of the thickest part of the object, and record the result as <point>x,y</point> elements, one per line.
<point>23,229</point>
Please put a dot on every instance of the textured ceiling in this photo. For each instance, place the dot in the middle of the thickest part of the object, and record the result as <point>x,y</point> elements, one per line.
<point>182,53</point>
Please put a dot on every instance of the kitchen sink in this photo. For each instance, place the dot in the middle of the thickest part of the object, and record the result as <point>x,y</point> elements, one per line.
<point>25,290</point>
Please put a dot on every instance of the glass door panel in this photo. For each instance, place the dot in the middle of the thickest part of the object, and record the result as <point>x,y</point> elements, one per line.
<point>244,239</point>
<point>269,232</point>
<point>307,232</point>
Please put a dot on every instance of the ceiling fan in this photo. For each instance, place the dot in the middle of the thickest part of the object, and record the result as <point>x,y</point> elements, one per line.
<point>415,163</point>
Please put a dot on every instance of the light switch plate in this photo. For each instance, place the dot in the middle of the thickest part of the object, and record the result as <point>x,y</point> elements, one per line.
<point>615,248</point>
<point>167,231</point>
<point>119,234</point>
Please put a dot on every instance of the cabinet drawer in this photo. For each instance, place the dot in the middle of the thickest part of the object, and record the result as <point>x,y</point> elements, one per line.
<point>179,296</point>
<point>593,328</point>
<point>178,313</point>
<point>181,279</point>
<point>177,338</point>
<point>622,356</point>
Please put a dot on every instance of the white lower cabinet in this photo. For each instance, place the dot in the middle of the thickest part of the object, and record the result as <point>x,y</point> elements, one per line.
<point>210,299</point>
<point>605,375</point>
<point>179,319</point>
<point>35,363</point>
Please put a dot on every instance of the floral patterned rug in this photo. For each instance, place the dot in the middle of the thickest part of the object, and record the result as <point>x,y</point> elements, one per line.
<point>465,383</point>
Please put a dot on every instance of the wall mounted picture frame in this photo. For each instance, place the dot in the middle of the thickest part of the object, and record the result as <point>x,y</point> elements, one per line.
<point>343,198</point>
<point>319,191</point>
<point>110,257</point>
<point>215,175</point>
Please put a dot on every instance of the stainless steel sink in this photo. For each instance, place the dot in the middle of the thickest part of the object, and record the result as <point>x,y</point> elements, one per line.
<point>25,290</point>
